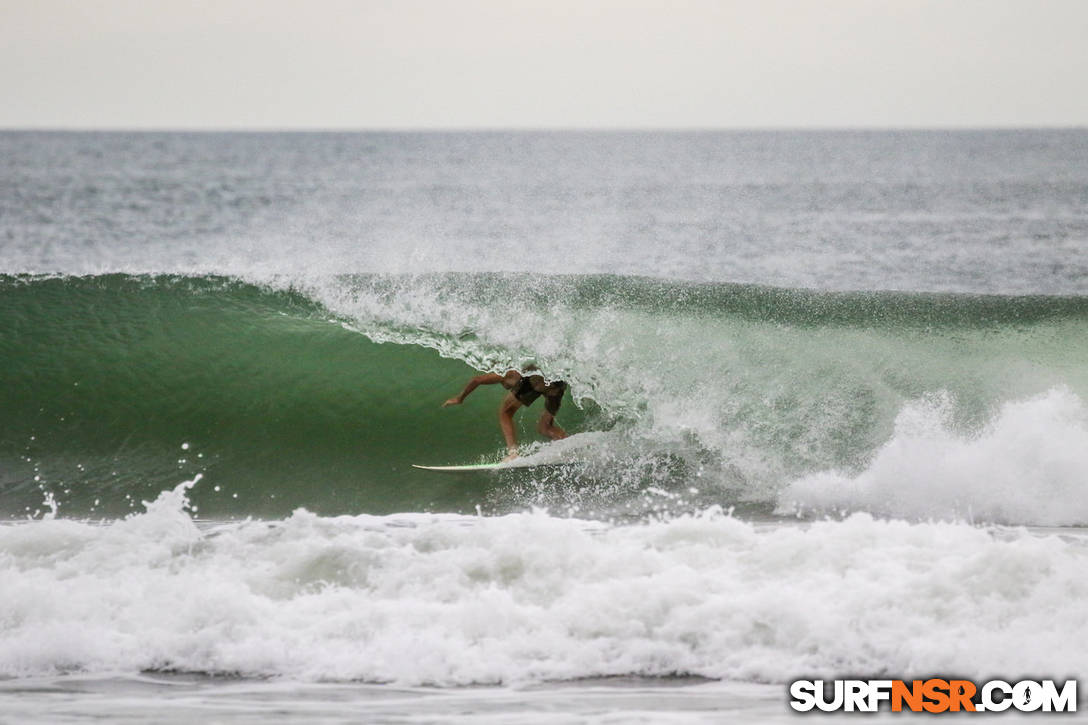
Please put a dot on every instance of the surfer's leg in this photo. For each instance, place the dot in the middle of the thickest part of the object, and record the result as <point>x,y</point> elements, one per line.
<point>507,409</point>
<point>547,427</point>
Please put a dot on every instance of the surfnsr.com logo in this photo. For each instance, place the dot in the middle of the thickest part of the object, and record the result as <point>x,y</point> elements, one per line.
<point>933,695</point>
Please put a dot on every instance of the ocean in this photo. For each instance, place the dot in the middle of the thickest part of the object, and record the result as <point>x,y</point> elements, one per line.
<point>828,401</point>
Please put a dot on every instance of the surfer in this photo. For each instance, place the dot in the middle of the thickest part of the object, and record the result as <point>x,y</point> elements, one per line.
<point>524,390</point>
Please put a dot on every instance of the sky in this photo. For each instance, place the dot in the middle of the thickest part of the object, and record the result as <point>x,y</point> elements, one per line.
<point>466,64</point>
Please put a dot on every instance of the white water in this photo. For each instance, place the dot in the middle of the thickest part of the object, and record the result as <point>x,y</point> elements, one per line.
<point>1029,465</point>
<point>454,600</point>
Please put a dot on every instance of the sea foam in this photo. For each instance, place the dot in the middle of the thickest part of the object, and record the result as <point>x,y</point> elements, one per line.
<point>453,600</point>
<point>1029,465</point>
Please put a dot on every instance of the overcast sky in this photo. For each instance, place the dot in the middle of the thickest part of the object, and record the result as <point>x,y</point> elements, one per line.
<point>553,63</point>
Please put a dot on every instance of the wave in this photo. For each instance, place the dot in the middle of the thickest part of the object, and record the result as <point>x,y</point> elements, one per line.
<point>118,385</point>
<point>1030,464</point>
<point>286,392</point>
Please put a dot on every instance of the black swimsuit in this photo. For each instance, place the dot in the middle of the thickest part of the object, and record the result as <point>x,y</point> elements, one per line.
<point>527,394</point>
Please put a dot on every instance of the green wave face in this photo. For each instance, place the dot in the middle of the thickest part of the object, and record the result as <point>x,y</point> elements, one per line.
<point>323,395</point>
<point>107,378</point>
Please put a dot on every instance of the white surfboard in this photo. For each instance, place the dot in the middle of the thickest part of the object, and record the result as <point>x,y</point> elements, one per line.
<point>565,452</point>
<point>485,466</point>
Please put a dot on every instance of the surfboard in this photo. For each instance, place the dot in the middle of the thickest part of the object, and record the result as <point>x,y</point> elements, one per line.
<point>548,455</point>
<point>459,469</point>
<point>484,467</point>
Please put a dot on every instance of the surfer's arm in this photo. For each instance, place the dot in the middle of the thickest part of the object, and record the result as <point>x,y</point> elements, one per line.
<point>486,379</point>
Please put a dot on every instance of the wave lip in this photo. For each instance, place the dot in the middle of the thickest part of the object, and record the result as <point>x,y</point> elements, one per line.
<point>1028,466</point>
